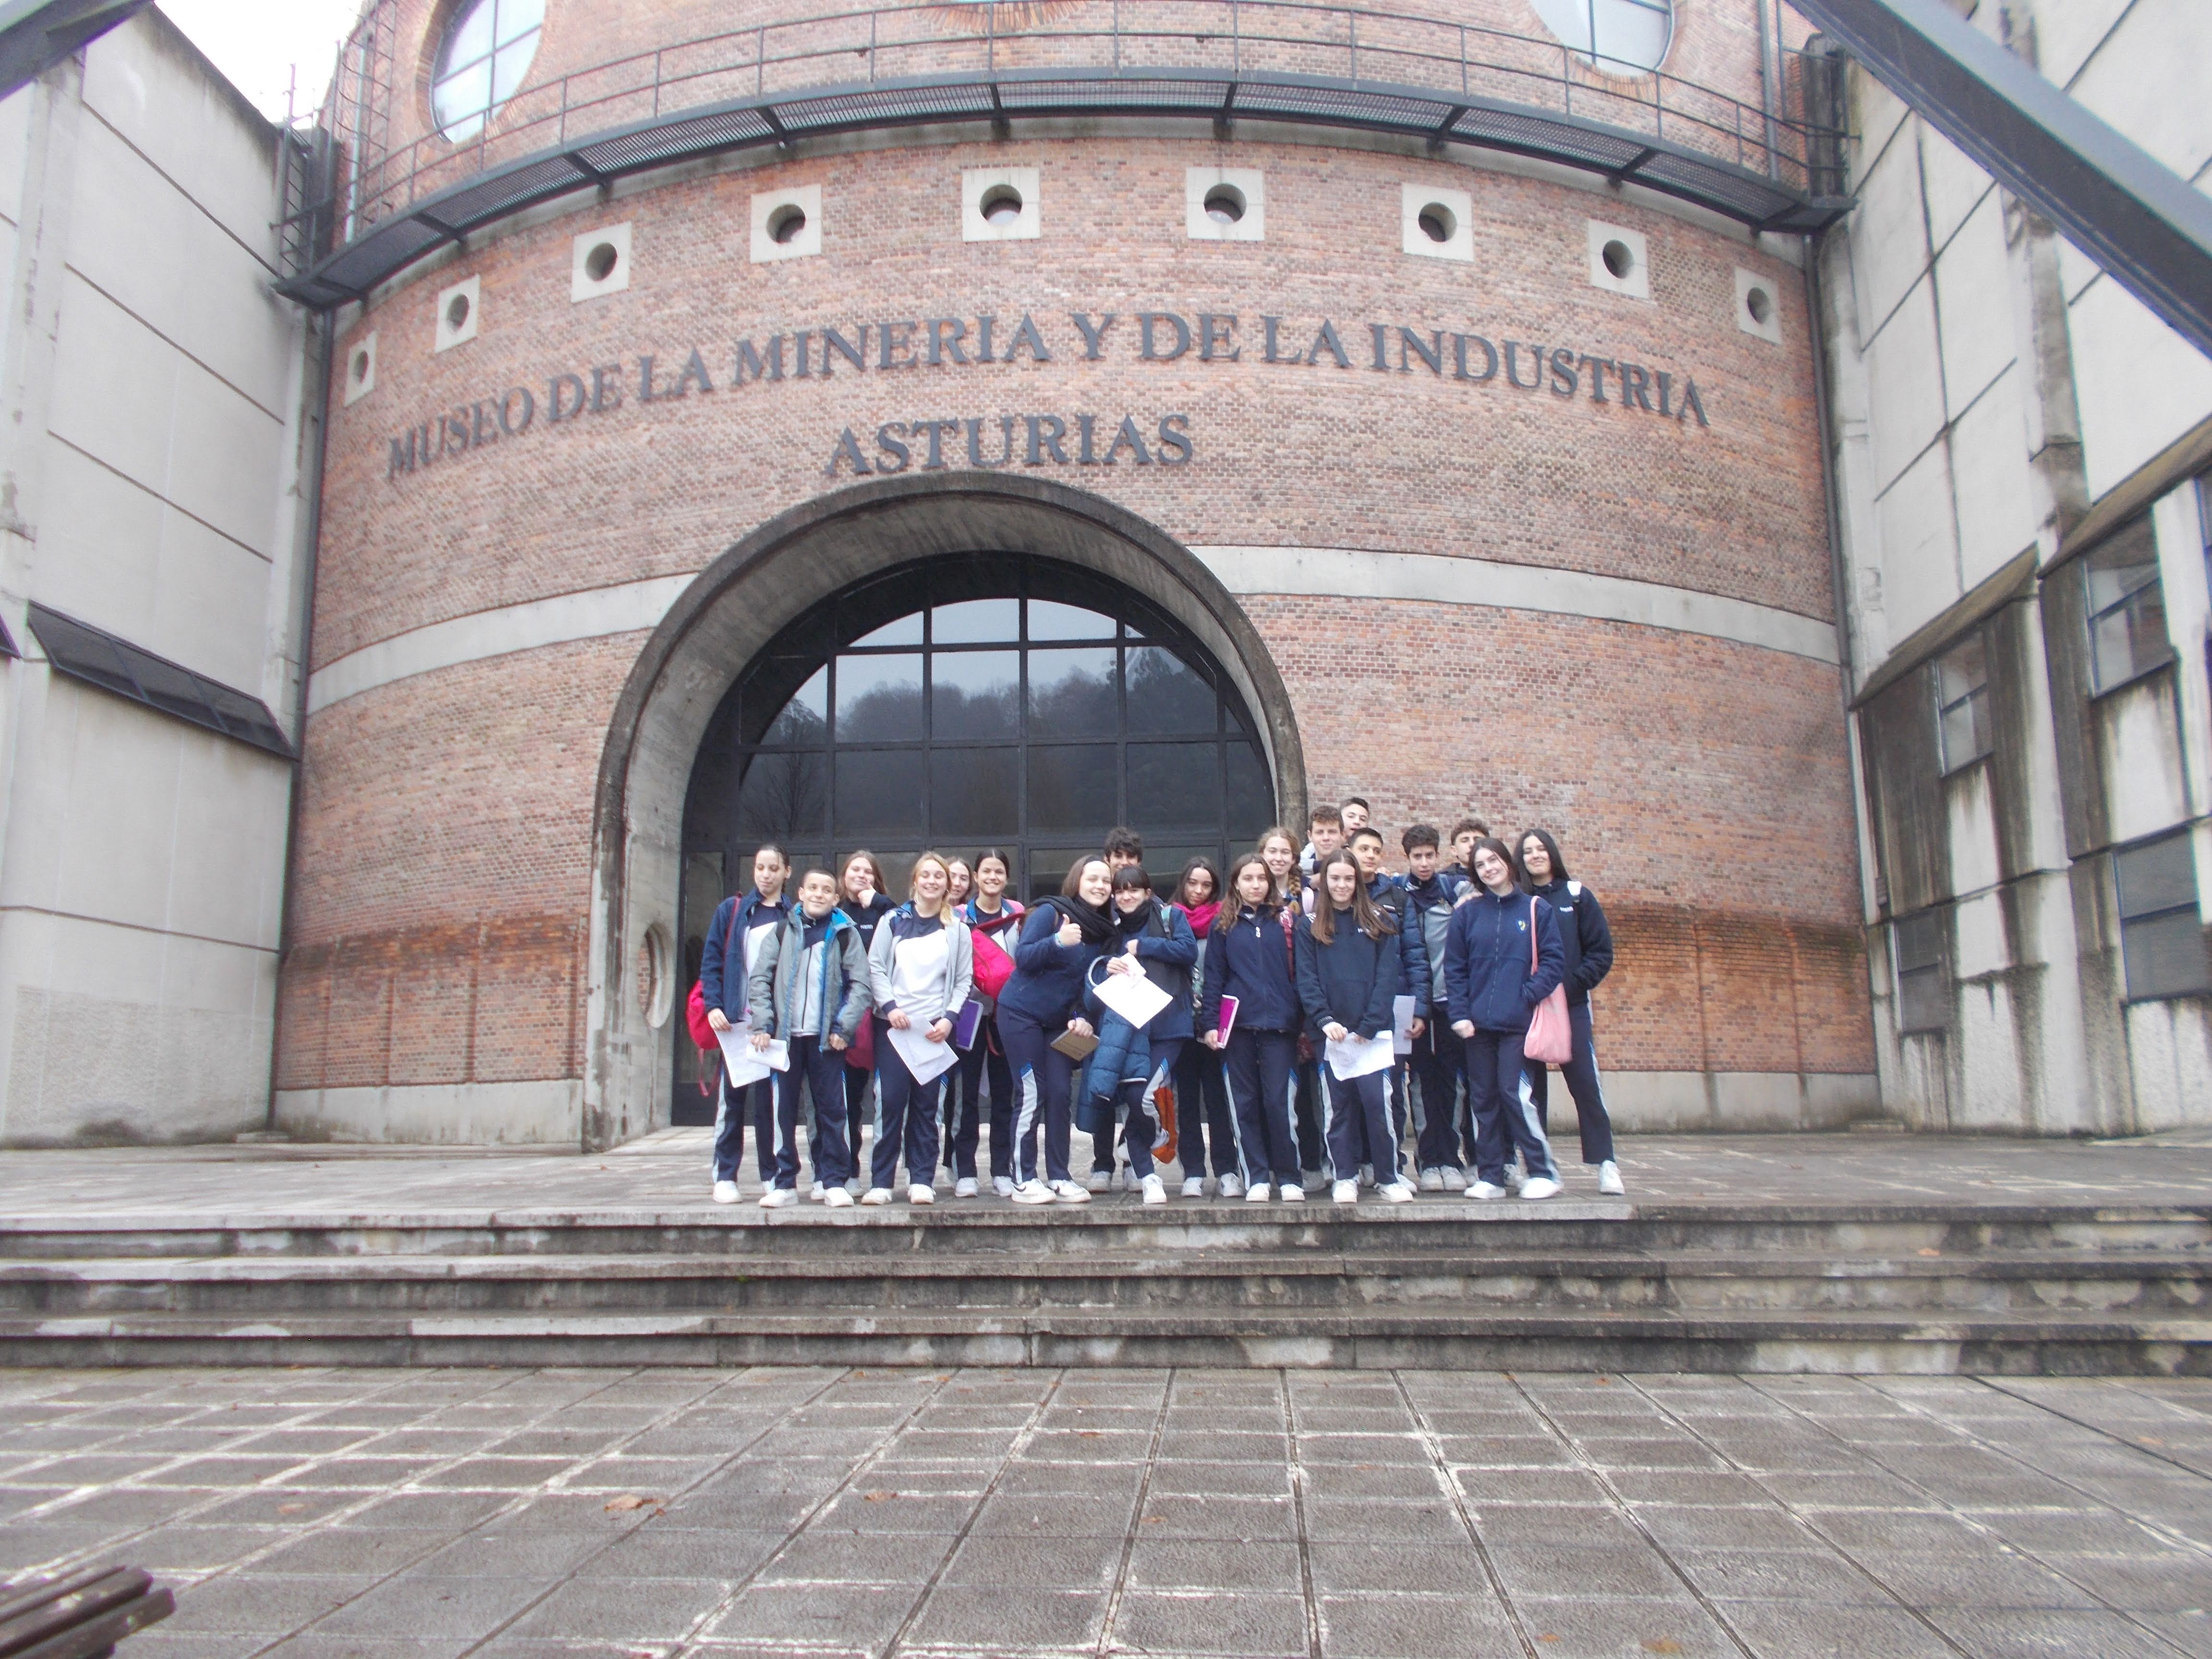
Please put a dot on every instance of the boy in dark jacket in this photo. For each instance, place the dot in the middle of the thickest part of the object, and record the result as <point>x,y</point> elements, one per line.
<point>1438,1062</point>
<point>810,987</point>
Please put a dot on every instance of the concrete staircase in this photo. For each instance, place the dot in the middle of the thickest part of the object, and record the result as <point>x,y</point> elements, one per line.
<point>1568,1285</point>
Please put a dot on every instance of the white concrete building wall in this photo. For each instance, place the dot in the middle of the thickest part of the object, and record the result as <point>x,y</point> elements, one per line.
<point>158,401</point>
<point>1989,387</point>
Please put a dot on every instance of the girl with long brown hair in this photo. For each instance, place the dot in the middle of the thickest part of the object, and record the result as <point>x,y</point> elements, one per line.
<point>1347,961</point>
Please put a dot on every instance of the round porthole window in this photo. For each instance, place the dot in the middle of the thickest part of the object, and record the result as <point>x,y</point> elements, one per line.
<point>786,222</point>
<point>480,62</point>
<point>457,312</point>
<point>599,263</point>
<point>1760,304</point>
<point>1224,205</point>
<point>1438,223</point>
<point>1620,260</point>
<point>1626,37</point>
<point>1001,205</point>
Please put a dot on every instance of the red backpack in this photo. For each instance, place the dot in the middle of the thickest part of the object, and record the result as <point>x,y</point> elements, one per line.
<point>695,1013</point>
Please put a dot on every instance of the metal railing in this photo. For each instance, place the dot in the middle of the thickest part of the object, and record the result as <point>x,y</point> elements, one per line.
<point>1124,39</point>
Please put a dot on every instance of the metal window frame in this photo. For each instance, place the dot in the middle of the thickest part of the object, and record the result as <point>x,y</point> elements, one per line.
<point>443,72</point>
<point>2194,907</point>
<point>72,649</point>
<point>2091,614</point>
<point>1979,693</point>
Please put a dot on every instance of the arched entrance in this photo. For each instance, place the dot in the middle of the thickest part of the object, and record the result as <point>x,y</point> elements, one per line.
<point>869,610</point>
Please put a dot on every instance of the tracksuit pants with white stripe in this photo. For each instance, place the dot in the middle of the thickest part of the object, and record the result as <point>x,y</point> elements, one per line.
<point>1593,1126</point>
<point>1202,1102</point>
<point>963,1105</point>
<point>1043,1078</point>
<point>1439,1063</point>
<point>1504,1117</point>
<point>905,1119</point>
<point>732,1106</point>
<point>820,1071</point>
<point>1258,1067</point>
<point>1140,1119</point>
<point>1359,1126</point>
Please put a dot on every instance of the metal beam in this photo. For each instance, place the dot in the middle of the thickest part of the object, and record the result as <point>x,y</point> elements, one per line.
<point>2140,221</point>
<point>37,34</point>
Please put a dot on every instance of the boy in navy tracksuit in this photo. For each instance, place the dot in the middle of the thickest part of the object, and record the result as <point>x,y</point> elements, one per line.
<point>1494,977</point>
<point>733,938</point>
<point>1249,958</point>
<point>1439,1056</point>
<point>810,987</point>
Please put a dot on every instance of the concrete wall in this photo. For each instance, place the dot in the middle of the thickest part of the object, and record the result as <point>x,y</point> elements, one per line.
<point>1991,390</point>
<point>156,424</point>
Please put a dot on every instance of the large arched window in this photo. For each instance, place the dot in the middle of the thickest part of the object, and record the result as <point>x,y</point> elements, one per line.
<point>968,703</point>
<point>1626,37</point>
<point>485,54</point>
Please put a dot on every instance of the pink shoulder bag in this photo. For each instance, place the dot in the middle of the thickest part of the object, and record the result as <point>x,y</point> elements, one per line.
<point>1551,1038</point>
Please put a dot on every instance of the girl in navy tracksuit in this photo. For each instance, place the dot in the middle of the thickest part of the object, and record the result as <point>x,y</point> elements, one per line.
<point>1588,942</point>
<point>1491,990</point>
<point>733,938</point>
<point>1201,1099</point>
<point>990,914</point>
<point>1249,957</point>
<point>920,968</point>
<point>1348,958</point>
<point>1061,938</point>
<point>1153,941</point>
<point>861,897</point>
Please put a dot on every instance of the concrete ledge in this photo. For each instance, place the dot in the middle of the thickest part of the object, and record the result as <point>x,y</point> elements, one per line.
<point>548,1113</point>
<point>1657,1103</point>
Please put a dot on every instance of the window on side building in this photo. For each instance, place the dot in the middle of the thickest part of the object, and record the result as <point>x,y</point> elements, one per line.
<point>2126,607</point>
<point>1923,996</point>
<point>1962,703</point>
<point>2161,934</point>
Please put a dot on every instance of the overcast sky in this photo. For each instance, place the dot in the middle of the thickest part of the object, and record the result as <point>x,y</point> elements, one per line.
<point>257,42</point>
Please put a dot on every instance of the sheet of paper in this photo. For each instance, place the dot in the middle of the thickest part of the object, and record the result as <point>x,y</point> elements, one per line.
<point>1401,1019</point>
<point>1353,1058</point>
<point>1133,997</point>
<point>746,1064</point>
<point>927,1061</point>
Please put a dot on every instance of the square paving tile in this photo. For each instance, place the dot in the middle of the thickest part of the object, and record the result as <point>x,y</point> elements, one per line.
<point>970,1619</point>
<point>1215,1564</point>
<point>1151,1622</point>
<point>1416,1627</point>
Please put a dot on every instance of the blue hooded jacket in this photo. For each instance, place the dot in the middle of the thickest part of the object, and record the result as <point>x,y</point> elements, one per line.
<point>726,990</point>
<point>1352,980</point>
<point>1250,959</point>
<point>1486,977</point>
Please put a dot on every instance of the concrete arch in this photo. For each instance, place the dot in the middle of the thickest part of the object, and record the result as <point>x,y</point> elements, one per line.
<point>735,607</point>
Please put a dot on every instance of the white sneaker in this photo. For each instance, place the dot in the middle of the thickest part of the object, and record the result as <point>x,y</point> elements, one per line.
<point>1099,1180</point>
<point>1397,1192</point>
<point>876,1195</point>
<point>1003,1185</point>
<point>816,1193</point>
<point>965,1188</point>
<point>1485,1190</point>
<point>726,1192</point>
<point>1454,1178</point>
<point>1193,1187</point>
<point>777,1198</point>
<point>1127,1180</point>
<point>1069,1192</point>
<point>1539,1187</point>
<point>1032,1192</point>
<point>1259,1194</point>
<point>919,1194</point>
<point>1432,1181</point>
<point>1609,1180</point>
<point>1346,1192</point>
<point>836,1199</point>
<point>1290,1194</point>
<point>1154,1189</point>
<point>1514,1177</point>
<point>1228,1186</point>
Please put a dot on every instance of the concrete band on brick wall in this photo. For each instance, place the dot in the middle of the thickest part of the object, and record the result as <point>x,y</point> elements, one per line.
<point>1369,573</point>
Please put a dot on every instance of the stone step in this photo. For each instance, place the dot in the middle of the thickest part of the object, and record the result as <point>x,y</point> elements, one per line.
<point>1531,1340</point>
<point>2032,1283</point>
<point>1121,1226</point>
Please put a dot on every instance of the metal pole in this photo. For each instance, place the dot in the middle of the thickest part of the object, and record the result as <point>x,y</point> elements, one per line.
<point>872,46</point>
<point>760,60</point>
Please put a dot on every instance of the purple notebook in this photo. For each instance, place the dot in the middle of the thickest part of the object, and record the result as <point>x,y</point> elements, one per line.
<point>1228,1016</point>
<point>966,1024</point>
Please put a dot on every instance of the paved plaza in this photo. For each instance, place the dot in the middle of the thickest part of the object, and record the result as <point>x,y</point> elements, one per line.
<point>532,1514</point>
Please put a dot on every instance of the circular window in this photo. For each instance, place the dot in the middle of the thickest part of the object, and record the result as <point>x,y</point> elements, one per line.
<point>485,54</point>
<point>1224,205</point>
<point>599,263</point>
<point>1001,205</point>
<point>1627,36</point>
<point>359,366</point>
<point>457,312</point>
<point>1438,221</point>
<point>1620,259</point>
<point>786,222</point>
<point>1760,304</point>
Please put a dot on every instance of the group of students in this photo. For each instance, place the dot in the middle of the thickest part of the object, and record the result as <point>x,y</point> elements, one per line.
<point>1270,976</point>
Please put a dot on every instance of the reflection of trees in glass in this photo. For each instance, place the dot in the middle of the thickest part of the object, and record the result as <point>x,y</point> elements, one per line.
<point>881,713</point>
<point>1166,694</point>
<point>784,795</point>
<point>801,721</point>
<point>995,712</point>
<point>1071,693</point>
